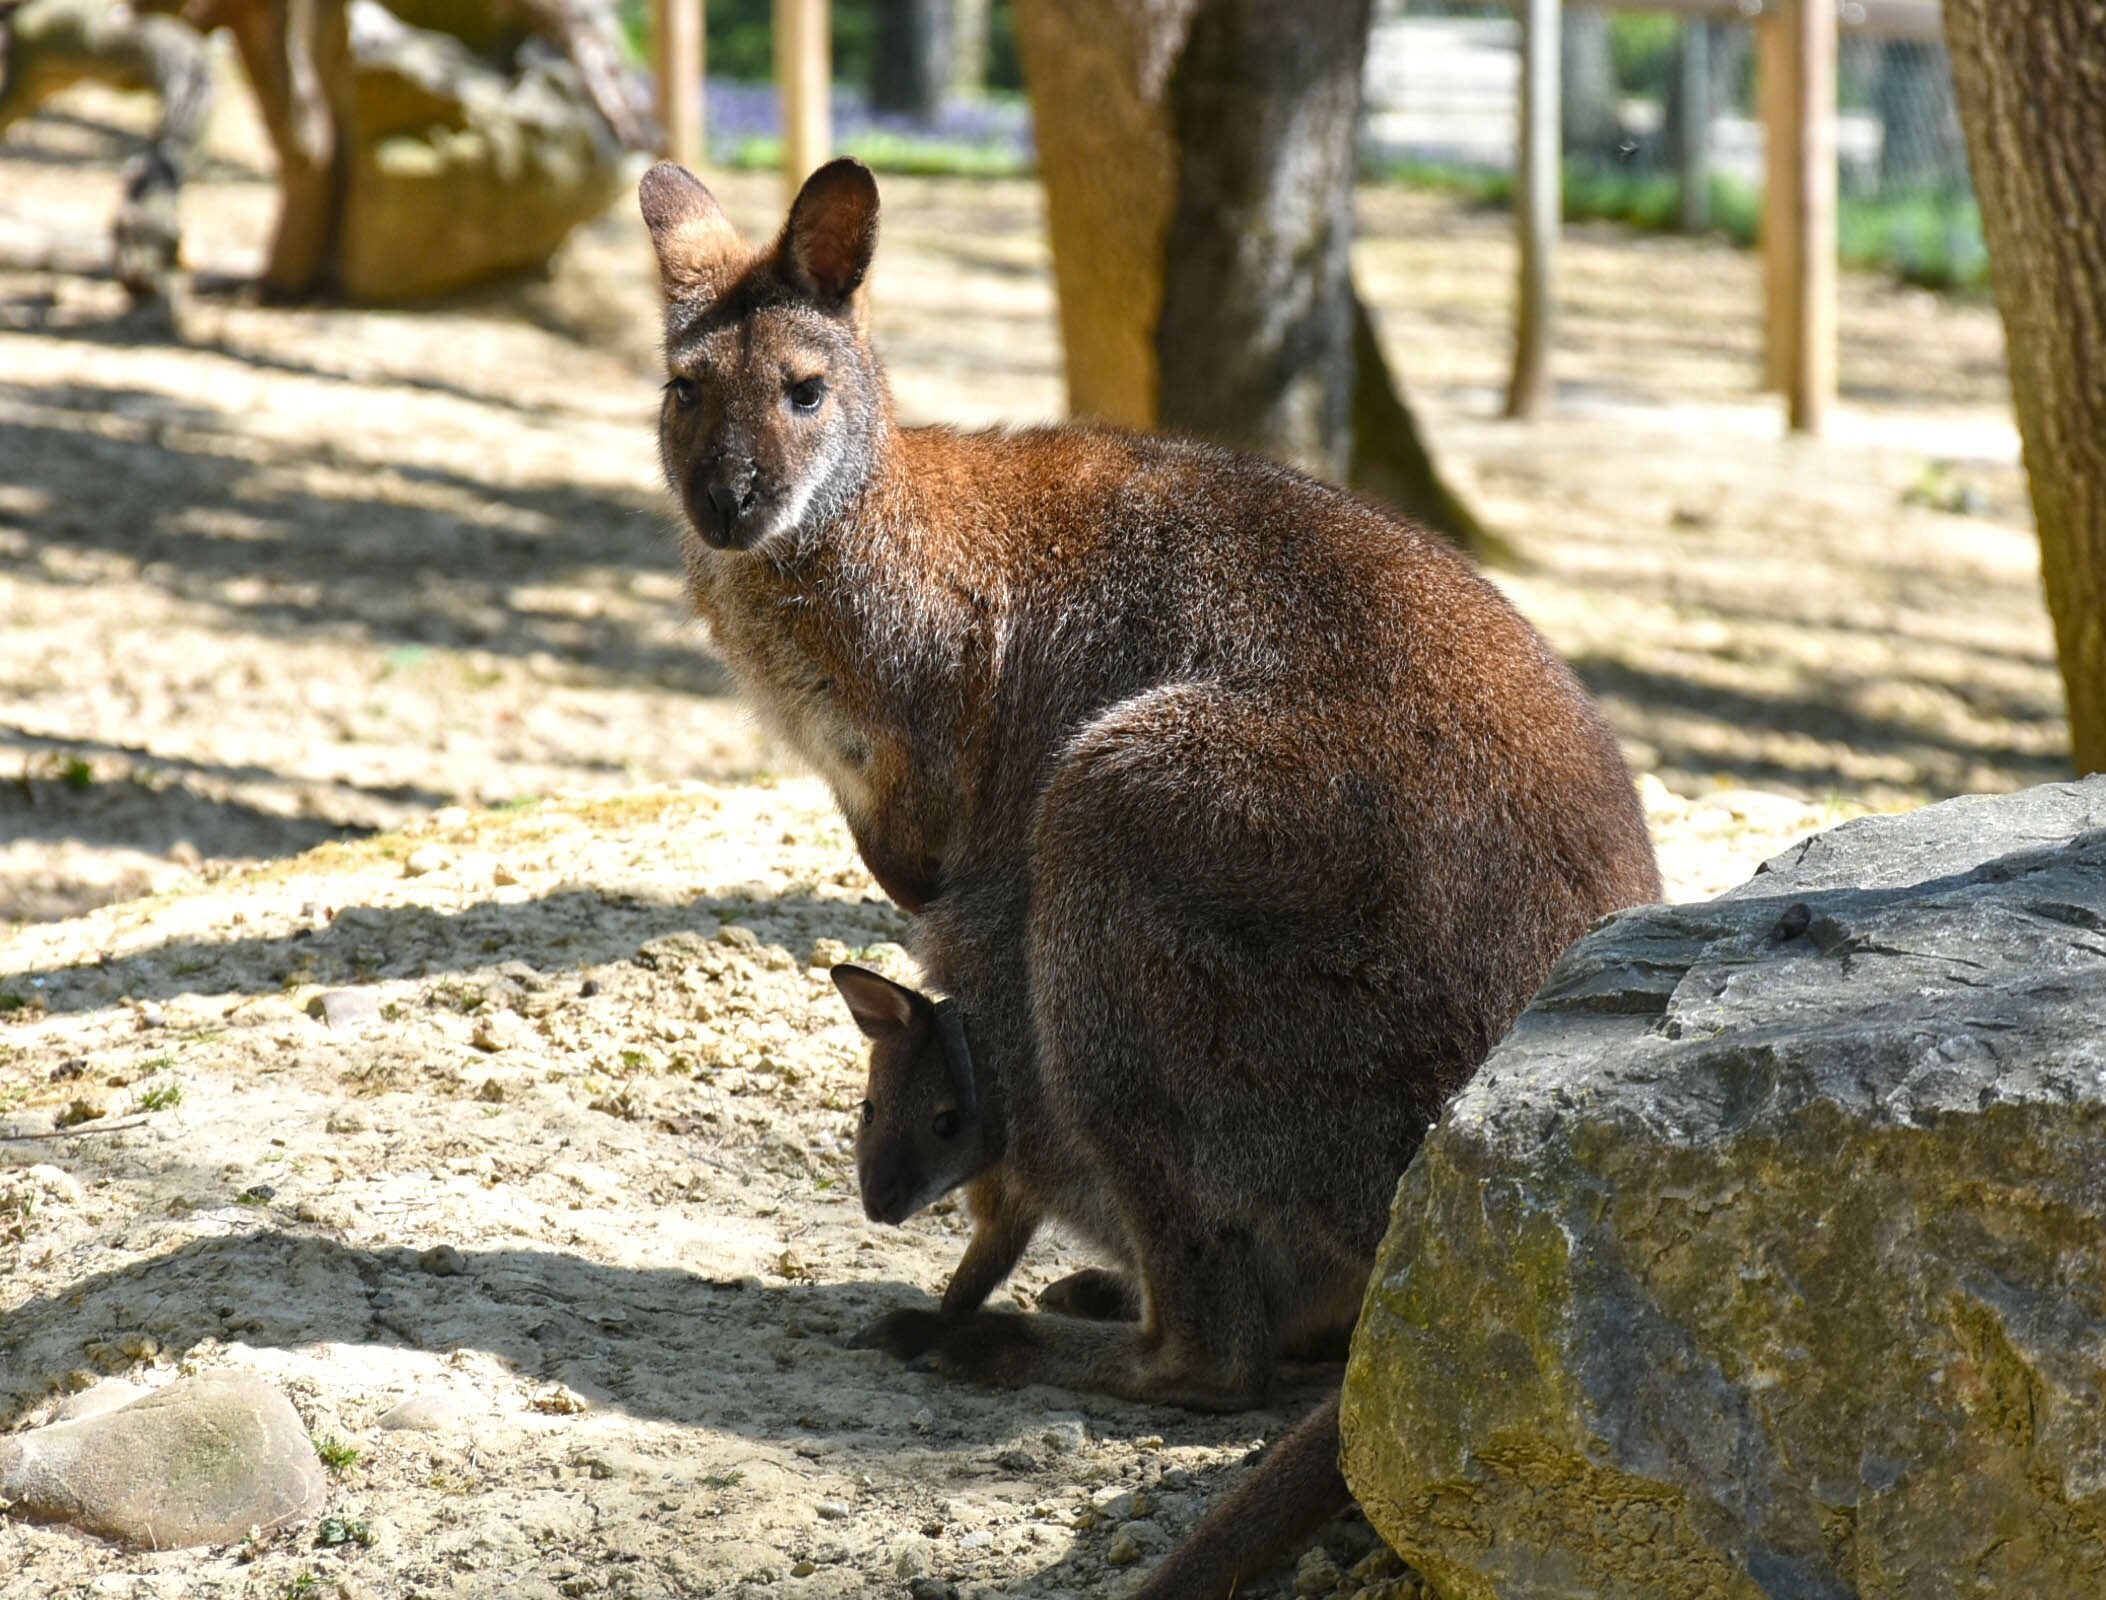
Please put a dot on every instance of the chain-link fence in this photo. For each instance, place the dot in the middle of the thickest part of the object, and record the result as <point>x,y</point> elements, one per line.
<point>1661,128</point>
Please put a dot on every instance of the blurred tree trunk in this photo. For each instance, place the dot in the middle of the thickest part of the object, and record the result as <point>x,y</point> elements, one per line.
<point>972,22</point>
<point>910,67</point>
<point>1686,125</point>
<point>1589,122</point>
<point>1198,160</point>
<point>2032,92</point>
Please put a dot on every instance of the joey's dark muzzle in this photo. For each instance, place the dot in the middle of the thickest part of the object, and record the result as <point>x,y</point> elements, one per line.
<point>888,1188</point>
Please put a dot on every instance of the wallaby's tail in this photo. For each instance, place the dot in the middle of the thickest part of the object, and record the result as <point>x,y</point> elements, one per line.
<point>1290,1495</point>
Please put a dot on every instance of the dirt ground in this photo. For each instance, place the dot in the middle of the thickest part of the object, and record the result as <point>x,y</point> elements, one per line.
<point>343,649</point>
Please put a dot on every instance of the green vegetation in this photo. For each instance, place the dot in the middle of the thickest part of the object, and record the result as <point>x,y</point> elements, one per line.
<point>336,1455</point>
<point>908,154</point>
<point>1929,238</point>
<point>1642,44</point>
<point>17,1207</point>
<point>160,1097</point>
<point>741,41</point>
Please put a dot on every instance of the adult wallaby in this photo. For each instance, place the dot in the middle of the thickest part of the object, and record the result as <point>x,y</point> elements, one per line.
<point>1239,815</point>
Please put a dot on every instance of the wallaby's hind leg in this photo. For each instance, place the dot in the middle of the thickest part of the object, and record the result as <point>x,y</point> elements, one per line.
<point>1096,1294</point>
<point>1205,1341</point>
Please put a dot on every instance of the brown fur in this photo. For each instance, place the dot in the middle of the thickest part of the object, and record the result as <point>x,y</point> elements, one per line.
<point>1240,816</point>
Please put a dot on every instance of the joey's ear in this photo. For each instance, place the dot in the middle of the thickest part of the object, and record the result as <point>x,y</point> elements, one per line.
<point>698,248</point>
<point>832,231</point>
<point>882,1009</point>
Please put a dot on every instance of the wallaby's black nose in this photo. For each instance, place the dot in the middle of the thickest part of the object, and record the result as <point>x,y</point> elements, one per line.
<point>724,510</point>
<point>720,495</point>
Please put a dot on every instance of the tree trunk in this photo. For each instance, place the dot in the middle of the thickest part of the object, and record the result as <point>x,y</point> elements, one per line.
<point>1688,125</point>
<point>1589,121</point>
<point>2031,76</point>
<point>910,66</point>
<point>1198,163</point>
<point>1255,340</point>
<point>971,33</point>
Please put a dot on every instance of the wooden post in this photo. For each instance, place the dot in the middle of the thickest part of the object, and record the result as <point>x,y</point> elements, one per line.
<point>1693,127</point>
<point>1538,207</point>
<point>680,65</point>
<point>1813,267</point>
<point>1777,97</point>
<point>804,76</point>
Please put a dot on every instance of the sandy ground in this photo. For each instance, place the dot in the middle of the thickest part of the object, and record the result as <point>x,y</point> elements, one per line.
<point>393,590</point>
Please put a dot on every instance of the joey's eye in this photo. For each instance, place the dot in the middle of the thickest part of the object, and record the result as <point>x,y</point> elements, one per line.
<point>683,392</point>
<point>946,1124</point>
<point>869,1113</point>
<point>806,394</point>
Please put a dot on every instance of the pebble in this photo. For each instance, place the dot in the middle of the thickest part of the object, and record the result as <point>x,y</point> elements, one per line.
<point>347,1119</point>
<point>201,1461</point>
<point>442,1261</point>
<point>561,1401</point>
<point>497,1031</point>
<point>427,1412</point>
<point>833,1510</point>
<point>1125,1549</point>
<point>1064,1433</point>
<point>978,1539</point>
<point>56,1183</point>
<point>1317,1573</point>
<point>1115,1504</point>
<point>346,1009</point>
<point>425,859</point>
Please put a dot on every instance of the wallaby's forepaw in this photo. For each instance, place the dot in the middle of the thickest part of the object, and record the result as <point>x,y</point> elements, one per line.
<point>903,1334</point>
<point>1097,1293</point>
<point>992,1348</point>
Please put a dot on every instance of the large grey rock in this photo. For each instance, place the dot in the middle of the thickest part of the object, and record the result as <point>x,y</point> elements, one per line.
<point>200,1462</point>
<point>1767,1256</point>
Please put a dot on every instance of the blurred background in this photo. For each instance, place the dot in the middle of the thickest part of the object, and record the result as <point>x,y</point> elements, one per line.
<point>328,374</point>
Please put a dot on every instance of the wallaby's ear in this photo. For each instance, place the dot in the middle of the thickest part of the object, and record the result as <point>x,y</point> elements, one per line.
<point>698,248</point>
<point>882,1009</point>
<point>832,231</point>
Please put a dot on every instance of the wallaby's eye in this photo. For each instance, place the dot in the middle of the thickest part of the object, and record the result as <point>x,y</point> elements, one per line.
<point>806,394</point>
<point>683,392</point>
<point>869,1113</point>
<point>946,1124</point>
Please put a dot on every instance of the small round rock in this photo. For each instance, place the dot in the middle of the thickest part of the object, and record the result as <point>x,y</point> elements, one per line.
<point>442,1261</point>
